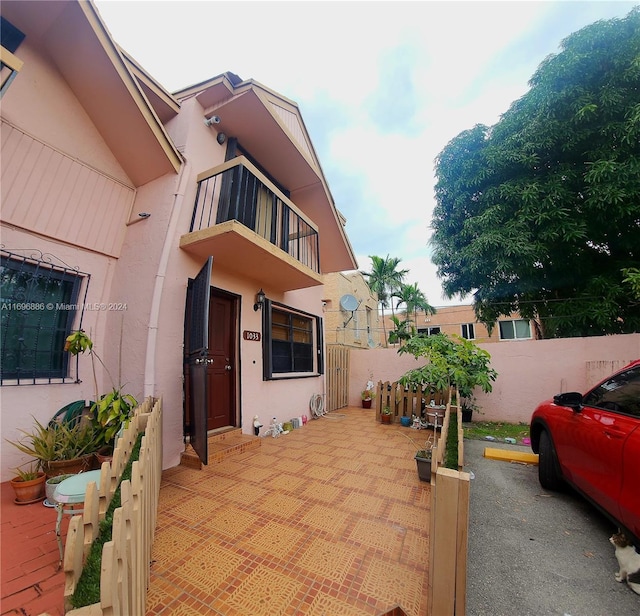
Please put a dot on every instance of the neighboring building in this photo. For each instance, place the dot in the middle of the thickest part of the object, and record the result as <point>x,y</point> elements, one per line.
<point>151,220</point>
<point>351,311</point>
<point>461,320</point>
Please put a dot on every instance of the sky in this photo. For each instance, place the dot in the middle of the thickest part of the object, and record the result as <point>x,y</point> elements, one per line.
<point>382,87</point>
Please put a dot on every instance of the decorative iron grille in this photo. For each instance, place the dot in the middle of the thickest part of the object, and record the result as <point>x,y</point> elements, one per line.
<point>38,307</point>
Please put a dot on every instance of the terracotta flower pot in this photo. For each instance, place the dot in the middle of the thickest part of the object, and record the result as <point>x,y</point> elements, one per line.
<point>385,419</point>
<point>29,491</point>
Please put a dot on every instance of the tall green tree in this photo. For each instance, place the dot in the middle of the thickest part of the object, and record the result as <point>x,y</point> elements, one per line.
<point>540,214</point>
<point>384,279</point>
<point>413,299</point>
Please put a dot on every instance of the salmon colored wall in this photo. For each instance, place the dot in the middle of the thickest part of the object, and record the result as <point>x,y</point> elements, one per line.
<point>20,404</point>
<point>153,265</point>
<point>529,371</point>
<point>41,103</point>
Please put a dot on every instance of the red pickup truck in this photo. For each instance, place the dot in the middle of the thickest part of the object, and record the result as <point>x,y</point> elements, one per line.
<point>592,442</point>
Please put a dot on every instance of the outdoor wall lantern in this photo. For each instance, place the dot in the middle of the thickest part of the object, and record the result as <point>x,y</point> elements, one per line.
<point>260,297</point>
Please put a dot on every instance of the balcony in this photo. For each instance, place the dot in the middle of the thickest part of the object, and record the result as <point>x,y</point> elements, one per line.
<point>250,227</point>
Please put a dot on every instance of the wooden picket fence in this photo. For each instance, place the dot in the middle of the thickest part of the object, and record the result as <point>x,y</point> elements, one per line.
<point>449,526</point>
<point>126,558</point>
<point>406,401</point>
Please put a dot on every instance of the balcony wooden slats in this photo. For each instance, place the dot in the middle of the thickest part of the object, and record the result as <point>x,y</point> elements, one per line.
<point>238,191</point>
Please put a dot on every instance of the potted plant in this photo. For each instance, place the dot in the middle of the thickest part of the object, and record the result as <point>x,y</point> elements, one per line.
<point>423,463</point>
<point>111,412</point>
<point>453,362</point>
<point>28,485</point>
<point>385,415</point>
<point>468,406</point>
<point>59,447</point>
<point>50,487</point>
<point>367,398</point>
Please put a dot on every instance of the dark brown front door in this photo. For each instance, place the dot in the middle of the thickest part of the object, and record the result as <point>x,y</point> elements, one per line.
<point>221,367</point>
<point>210,360</point>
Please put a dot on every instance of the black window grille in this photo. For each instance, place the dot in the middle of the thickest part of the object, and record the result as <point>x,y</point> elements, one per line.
<point>38,308</point>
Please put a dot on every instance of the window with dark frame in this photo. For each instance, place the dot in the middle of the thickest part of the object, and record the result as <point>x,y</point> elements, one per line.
<point>291,341</point>
<point>38,306</point>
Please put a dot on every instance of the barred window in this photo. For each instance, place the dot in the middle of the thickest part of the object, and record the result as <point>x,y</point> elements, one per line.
<point>38,306</point>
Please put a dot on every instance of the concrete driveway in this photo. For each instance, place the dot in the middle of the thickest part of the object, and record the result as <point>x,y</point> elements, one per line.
<point>533,552</point>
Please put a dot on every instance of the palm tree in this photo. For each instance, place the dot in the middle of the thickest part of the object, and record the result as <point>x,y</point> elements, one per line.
<point>384,279</point>
<point>413,299</point>
<point>403,330</point>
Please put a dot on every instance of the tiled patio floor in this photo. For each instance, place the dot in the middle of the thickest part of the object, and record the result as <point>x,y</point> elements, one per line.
<point>330,519</point>
<point>327,520</point>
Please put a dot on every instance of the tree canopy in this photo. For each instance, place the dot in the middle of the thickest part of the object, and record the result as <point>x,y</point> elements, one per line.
<point>540,214</point>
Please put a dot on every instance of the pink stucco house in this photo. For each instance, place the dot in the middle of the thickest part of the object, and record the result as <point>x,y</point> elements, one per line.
<point>187,233</point>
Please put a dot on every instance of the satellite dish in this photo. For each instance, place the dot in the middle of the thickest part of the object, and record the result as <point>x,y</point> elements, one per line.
<point>349,303</point>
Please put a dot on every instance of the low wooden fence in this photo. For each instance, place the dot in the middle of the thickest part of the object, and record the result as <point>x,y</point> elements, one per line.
<point>126,558</point>
<point>405,401</point>
<point>450,493</point>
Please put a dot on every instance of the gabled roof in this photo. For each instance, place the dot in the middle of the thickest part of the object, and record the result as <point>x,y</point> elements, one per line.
<point>271,128</point>
<point>74,38</point>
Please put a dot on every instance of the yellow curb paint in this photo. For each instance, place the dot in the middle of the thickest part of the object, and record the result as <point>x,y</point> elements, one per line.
<point>507,455</point>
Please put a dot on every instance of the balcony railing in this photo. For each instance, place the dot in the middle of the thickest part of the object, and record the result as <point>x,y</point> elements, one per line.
<point>238,191</point>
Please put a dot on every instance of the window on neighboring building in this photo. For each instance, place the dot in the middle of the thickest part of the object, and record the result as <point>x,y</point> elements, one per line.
<point>516,329</point>
<point>292,342</point>
<point>430,331</point>
<point>468,331</point>
<point>38,305</point>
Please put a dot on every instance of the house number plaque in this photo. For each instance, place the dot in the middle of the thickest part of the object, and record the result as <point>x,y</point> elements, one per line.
<point>247,335</point>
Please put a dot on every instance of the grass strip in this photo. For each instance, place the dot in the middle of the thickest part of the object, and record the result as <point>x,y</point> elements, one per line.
<point>498,429</point>
<point>88,590</point>
<point>451,446</point>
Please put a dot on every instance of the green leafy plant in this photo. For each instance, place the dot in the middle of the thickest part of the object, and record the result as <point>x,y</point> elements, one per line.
<point>28,474</point>
<point>367,394</point>
<point>386,410</point>
<point>57,441</point>
<point>453,362</point>
<point>111,411</point>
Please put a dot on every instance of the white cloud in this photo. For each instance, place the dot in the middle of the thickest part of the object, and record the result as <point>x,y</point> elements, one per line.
<point>383,86</point>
